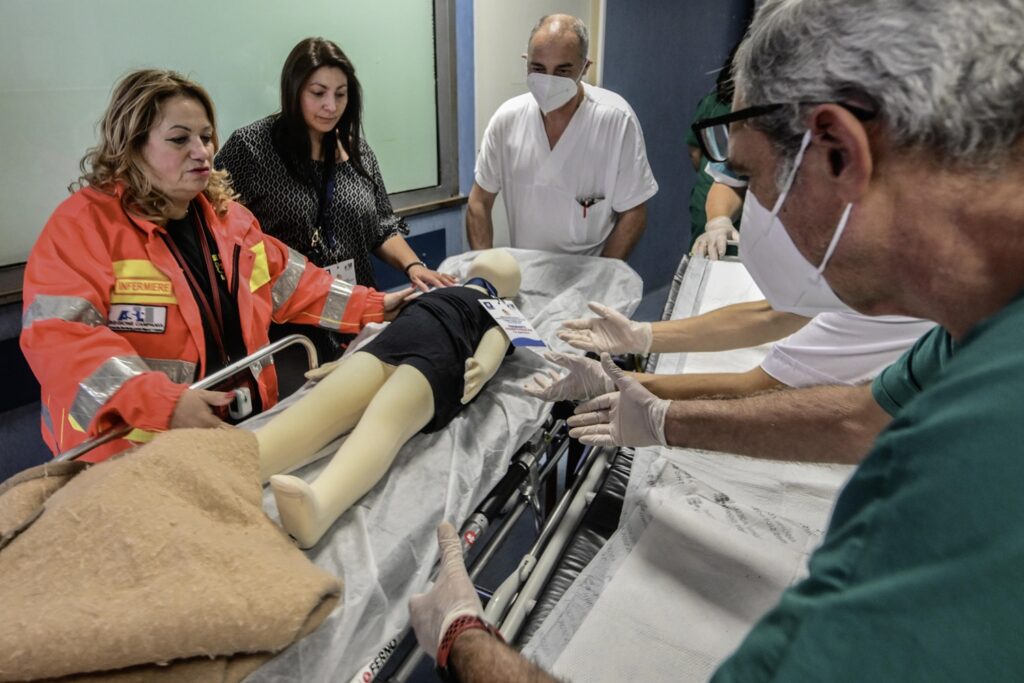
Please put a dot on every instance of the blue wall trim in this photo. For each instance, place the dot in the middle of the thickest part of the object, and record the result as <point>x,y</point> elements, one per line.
<point>662,56</point>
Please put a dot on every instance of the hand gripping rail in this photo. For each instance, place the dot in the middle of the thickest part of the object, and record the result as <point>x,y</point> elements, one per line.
<point>206,382</point>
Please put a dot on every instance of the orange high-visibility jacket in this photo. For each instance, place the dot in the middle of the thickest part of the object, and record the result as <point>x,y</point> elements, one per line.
<point>114,334</point>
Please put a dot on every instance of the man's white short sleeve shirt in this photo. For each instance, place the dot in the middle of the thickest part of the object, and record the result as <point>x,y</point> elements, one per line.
<point>842,348</point>
<point>600,161</point>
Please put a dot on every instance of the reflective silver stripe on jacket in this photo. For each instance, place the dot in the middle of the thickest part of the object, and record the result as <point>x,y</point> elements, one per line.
<point>334,307</point>
<point>47,420</point>
<point>69,308</point>
<point>99,387</point>
<point>288,281</point>
<point>179,371</point>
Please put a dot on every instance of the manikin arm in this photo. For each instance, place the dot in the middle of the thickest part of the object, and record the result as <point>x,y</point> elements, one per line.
<point>482,365</point>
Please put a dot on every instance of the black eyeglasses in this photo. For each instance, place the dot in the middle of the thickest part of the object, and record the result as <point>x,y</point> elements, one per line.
<point>713,133</point>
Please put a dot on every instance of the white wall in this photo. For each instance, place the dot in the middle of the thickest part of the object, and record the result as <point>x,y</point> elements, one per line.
<point>501,30</point>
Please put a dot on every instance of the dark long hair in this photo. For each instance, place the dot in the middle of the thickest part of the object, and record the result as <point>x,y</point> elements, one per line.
<point>290,135</point>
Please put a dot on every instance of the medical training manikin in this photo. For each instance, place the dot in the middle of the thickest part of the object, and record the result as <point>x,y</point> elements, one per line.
<point>414,376</point>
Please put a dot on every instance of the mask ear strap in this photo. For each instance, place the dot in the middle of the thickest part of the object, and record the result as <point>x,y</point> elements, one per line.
<point>586,63</point>
<point>835,238</point>
<point>792,173</point>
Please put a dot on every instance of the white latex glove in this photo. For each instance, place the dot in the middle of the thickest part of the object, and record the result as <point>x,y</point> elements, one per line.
<point>632,416</point>
<point>451,596</point>
<point>473,380</point>
<point>586,379</point>
<point>610,332</point>
<point>712,242</point>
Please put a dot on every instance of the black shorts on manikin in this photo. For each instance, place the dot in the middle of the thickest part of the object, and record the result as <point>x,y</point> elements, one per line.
<point>435,334</point>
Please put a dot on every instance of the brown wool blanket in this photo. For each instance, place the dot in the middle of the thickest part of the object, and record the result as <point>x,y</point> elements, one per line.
<point>158,565</point>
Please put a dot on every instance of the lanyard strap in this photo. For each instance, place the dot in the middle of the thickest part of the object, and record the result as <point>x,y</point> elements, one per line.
<point>326,198</point>
<point>214,321</point>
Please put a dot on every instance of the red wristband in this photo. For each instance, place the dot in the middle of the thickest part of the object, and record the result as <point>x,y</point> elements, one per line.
<point>455,629</point>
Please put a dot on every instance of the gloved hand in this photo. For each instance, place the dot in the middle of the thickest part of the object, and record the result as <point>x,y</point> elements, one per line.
<point>712,242</point>
<point>586,379</point>
<point>451,596</point>
<point>473,380</point>
<point>610,332</point>
<point>632,416</point>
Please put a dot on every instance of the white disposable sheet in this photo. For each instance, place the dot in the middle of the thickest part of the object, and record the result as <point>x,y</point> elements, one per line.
<point>709,547</point>
<point>707,542</point>
<point>383,548</point>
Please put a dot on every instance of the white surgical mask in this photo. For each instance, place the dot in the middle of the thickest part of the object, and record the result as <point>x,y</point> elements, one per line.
<point>551,92</point>
<point>788,280</point>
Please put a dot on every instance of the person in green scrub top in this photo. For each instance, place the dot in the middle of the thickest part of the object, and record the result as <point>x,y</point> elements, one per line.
<point>884,145</point>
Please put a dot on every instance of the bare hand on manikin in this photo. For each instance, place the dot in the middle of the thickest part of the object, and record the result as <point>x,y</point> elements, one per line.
<point>425,279</point>
<point>394,301</point>
<point>193,408</point>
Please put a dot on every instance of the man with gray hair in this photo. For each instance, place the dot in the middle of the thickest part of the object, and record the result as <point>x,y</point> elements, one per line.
<point>568,157</point>
<point>883,141</point>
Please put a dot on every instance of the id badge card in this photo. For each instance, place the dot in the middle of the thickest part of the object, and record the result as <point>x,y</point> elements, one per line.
<point>344,270</point>
<point>515,325</point>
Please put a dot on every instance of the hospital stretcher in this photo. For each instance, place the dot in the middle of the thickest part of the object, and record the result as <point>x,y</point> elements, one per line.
<point>491,464</point>
<point>588,513</point>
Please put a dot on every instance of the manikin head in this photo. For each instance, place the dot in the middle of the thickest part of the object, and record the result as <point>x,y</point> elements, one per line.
<point>498,267</point>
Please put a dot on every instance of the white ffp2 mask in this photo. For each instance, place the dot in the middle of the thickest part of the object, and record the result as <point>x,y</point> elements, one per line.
<point>788,280</point>
<point>551,92</point>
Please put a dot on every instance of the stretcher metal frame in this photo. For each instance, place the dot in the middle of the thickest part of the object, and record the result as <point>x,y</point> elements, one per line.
<point>510,604</point>
<point>205,383</point>
<point>523,588</point>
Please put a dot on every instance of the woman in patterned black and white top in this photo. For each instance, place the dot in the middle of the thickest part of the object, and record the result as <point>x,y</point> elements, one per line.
<point>313,181</point>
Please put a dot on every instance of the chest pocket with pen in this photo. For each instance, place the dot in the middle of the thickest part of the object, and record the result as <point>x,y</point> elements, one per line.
<point>588,216</point>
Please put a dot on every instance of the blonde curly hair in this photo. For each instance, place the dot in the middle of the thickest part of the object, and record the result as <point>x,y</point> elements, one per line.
<point>135,107</point>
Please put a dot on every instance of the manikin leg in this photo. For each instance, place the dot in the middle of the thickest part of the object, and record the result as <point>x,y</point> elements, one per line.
<point>401,408</point>
<point>331,408</point>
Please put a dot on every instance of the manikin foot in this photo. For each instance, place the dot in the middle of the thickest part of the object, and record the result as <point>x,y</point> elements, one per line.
<point>299,509</point>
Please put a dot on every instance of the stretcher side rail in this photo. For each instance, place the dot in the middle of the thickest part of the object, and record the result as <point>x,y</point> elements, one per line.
<point>535,463</point>
<point>205,383</point>
<point>602,517</point>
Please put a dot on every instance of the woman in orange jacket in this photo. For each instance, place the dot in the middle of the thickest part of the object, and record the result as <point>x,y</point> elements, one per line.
<point>150,276</point>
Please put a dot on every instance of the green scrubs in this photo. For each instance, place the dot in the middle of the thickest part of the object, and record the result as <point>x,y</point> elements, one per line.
<point>709,107</point>
<point>921,574</point>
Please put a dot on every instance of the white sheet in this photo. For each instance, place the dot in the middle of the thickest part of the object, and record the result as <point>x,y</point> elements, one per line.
<point>709,548</point>
<point>384,547</point>
<point>707,543</point>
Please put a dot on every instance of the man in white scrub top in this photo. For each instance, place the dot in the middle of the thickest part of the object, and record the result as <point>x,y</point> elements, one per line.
<point>568,157</point>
